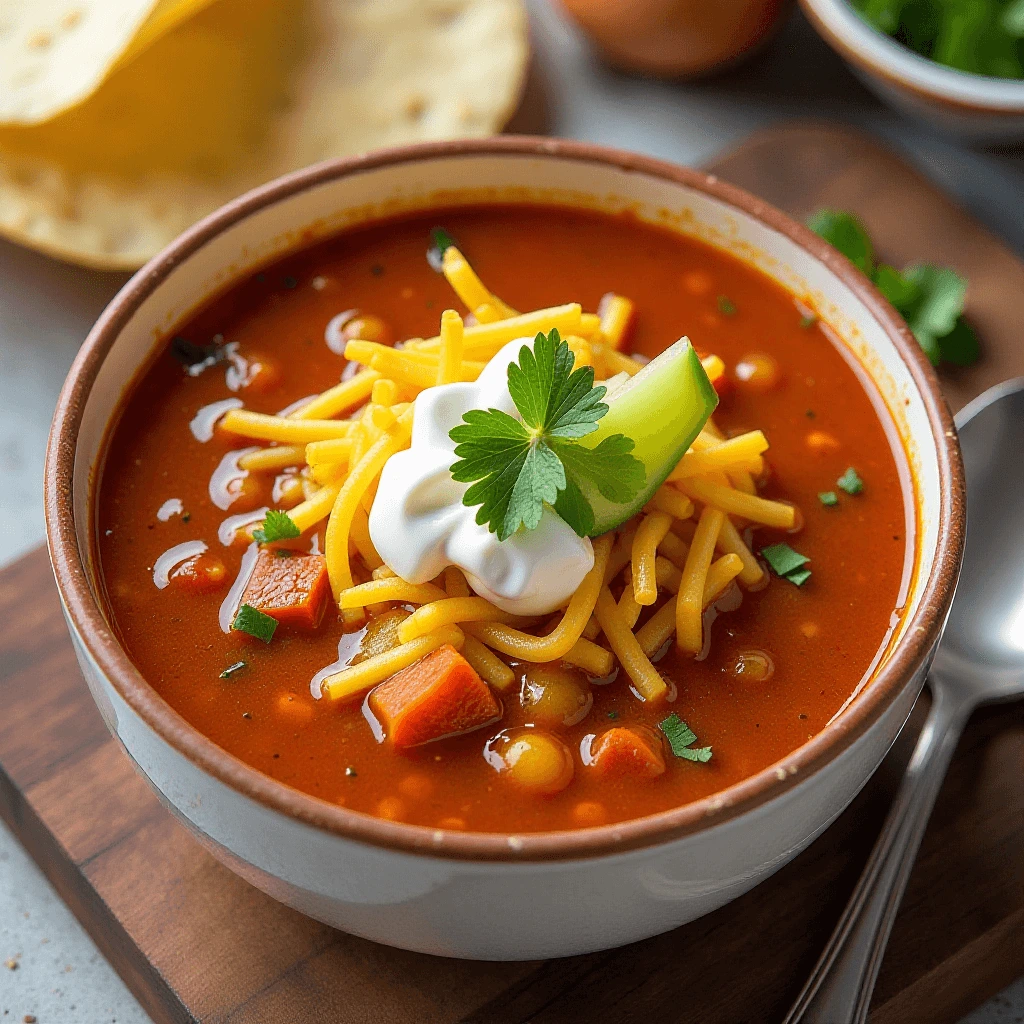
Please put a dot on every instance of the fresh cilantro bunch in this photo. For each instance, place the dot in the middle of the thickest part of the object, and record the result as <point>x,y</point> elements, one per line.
<point>517,467</point>
<point>929,298</point>
<point>980,37</point>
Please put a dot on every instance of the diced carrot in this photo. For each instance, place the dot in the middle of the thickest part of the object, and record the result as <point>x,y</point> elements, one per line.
<point>440,695</point>
<point>634,751</point>
<point>292,589</point>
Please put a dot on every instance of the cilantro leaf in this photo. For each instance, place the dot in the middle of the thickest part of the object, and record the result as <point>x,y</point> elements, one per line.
<point>252,621</point>
<point>516,467</point>
<point>900,290</point>
<point>681,739</point>
<point>960,347</point>
<point>850,482</point>
<point>846,233</point>
<point>828,498</point>
<point>726,306</point>
<point>276,526</point>
<point>787,563</point>
<point>929,298</point>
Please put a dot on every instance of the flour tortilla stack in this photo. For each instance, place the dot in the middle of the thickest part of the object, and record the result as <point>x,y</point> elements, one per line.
<point>170,109</point>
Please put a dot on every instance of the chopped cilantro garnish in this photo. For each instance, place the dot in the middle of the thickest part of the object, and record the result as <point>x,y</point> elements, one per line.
<point>850,482</point>
<point>828,498</point>
<point>726,305</point>
<point>929,298</point>
<point>276,526</point>
<point>808,320</point>
<point>440,240</point>
<point>613,714</point>
<point>517,467</point>
<point>681,739</point>
<point>787,563</point>
<point>197,358</point>
<point>252,621</point>
<point>234,669</point>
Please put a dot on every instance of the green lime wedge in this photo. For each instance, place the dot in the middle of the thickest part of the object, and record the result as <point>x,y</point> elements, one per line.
<point>662,408</point>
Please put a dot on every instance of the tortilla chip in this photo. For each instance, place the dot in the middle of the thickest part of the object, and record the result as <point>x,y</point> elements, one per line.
<point>243,92</point>
<point>54,53</point>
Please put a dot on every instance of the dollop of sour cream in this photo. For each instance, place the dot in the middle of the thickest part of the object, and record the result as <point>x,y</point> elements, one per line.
<point>419,524</point>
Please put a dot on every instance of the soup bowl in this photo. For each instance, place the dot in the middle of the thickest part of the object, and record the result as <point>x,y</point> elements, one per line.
<point>482,895</point>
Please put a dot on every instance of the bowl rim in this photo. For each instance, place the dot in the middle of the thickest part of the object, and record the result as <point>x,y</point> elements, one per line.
<point>878,54</point>
<point>88,621</point>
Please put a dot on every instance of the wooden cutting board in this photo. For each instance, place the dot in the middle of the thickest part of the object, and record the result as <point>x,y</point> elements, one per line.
<point>195,943</point>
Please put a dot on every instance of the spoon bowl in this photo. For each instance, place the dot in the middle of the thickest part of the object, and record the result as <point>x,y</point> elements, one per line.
<point>982,648</point>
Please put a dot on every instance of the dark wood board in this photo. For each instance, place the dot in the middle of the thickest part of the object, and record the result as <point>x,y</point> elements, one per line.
<point>195,943</point>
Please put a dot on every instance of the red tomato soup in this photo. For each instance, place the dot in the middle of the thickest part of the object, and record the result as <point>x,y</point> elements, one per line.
<point>556,748</point>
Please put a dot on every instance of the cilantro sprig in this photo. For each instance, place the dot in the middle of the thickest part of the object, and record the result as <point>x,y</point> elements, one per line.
<point>929,298</point>
<point>681,739</point>
<point>276,526</point>
<point>517,466</point>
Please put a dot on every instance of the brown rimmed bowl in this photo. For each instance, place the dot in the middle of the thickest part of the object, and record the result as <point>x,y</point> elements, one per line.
<point>555,893</point>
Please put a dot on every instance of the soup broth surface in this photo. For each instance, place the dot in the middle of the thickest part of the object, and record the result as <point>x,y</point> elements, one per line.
<point>160,489</point>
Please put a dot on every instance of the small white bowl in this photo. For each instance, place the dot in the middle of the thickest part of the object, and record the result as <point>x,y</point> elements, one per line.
<point>974,108</point>
<point>502,896</point>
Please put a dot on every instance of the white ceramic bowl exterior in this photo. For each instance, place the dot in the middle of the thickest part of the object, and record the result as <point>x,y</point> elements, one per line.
<point>506,908</point>
<point>971,107</point>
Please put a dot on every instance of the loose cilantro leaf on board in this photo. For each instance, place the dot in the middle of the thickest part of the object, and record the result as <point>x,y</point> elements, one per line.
<point>850,482</point>
<point>828,498</point>
<point>681,739</point>
<point>845,232</point>
<point>787,563</point>
<point>930,298</point>
<point>234,669</point>
<point>516,467</point>
<point>276,526</point>
<point>960,347</point>
<point>252,621</point>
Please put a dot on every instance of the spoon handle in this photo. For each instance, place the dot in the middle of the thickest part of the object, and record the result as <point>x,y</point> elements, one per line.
<point>839,989</point>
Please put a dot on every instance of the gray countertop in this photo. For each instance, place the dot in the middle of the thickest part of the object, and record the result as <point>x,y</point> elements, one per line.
<point>46,309</point>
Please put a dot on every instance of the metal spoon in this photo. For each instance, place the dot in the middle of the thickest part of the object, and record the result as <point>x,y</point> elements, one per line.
<point>980,660</point>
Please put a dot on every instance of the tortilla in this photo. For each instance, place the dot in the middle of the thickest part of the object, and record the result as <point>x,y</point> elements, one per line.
<point>54,53</point>
<point>242,92</point>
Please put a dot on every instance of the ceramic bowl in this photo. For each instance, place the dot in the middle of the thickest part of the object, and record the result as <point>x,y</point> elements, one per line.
<point>974,108</point>
<point>554,893</point>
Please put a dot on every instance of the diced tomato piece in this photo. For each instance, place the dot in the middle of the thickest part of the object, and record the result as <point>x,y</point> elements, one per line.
<point>200,575</point>
<point>292,589</point>
<point>628,751</point>
<point>440,695</point>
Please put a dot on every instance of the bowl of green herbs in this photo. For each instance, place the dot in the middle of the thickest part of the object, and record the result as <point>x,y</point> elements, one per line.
<point>958,64</point>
